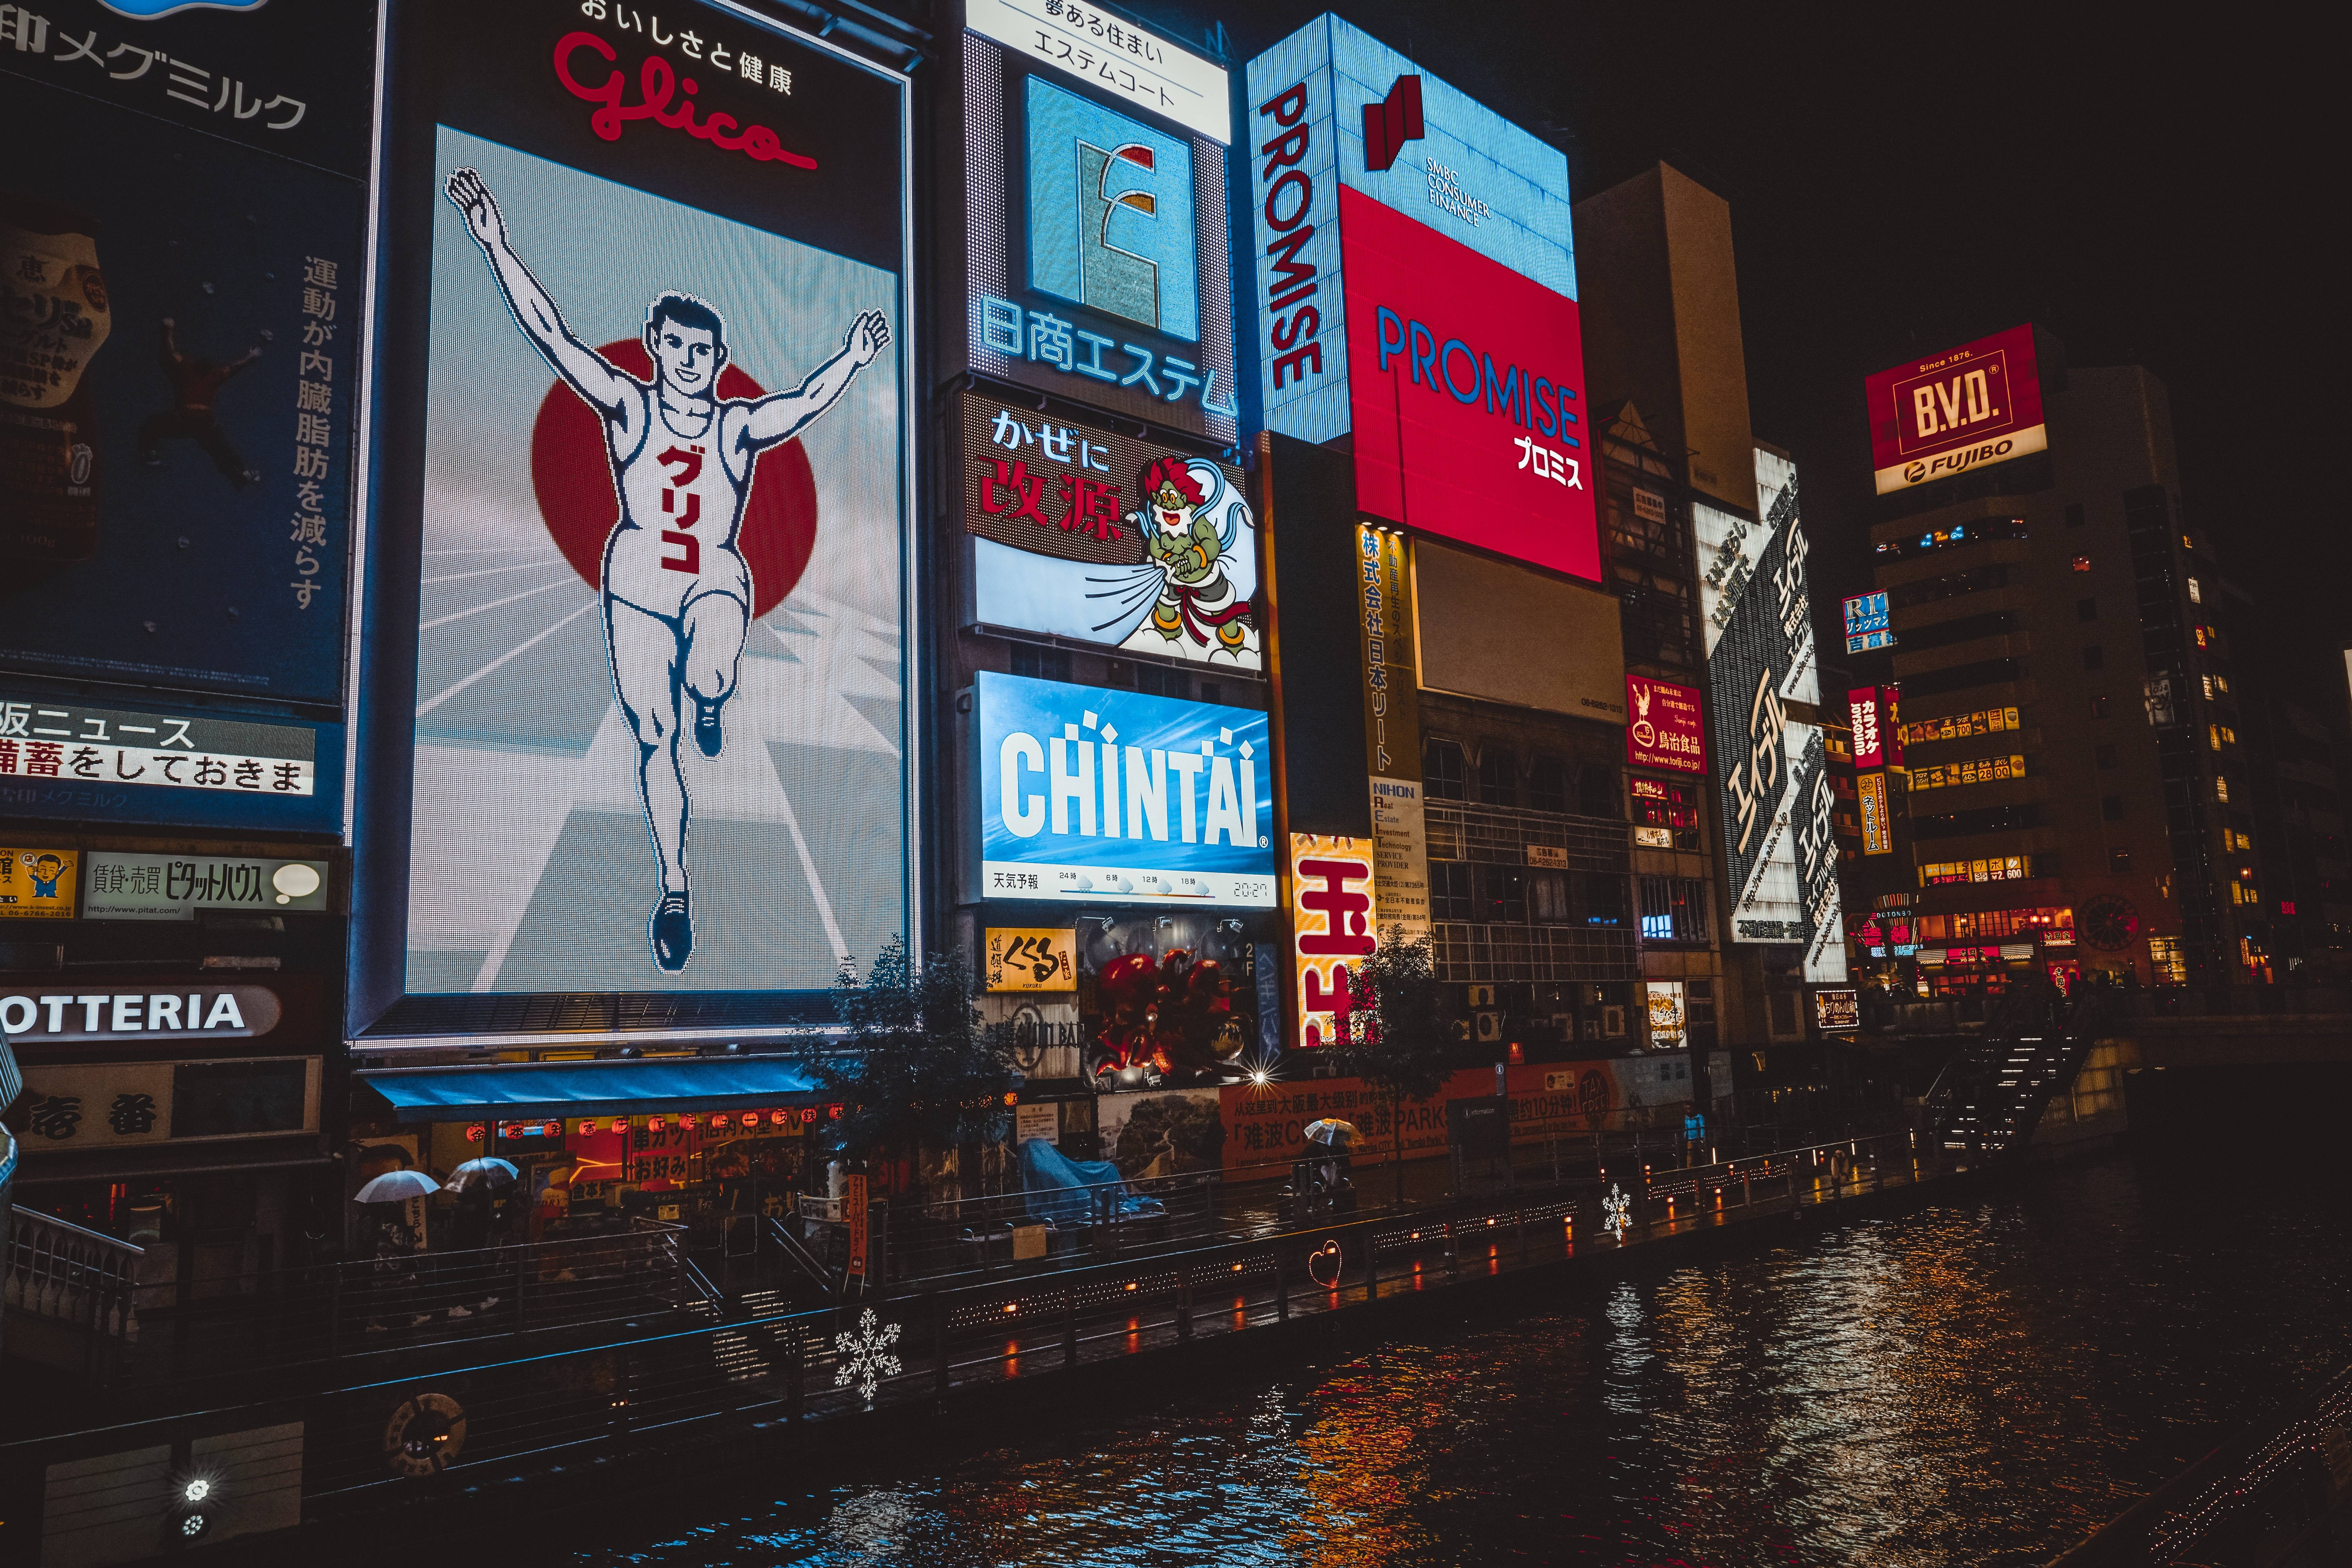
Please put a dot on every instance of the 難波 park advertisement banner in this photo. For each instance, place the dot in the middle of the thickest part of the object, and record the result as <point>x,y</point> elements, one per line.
<point>643,583</point>
<point>1264,1124</point>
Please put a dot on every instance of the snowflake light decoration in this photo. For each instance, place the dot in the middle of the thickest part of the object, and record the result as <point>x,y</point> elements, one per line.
<point>1614,1209</point>
<point>865,1355</point>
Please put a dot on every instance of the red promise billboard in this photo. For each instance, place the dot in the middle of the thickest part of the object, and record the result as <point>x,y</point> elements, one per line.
<point>1967,407</point>
<point>1465,385</point>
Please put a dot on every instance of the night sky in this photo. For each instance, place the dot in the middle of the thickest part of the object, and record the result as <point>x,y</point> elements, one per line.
<point>1906,179</point>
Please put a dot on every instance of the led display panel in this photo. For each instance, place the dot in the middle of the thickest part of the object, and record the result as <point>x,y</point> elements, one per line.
<point>1095,263</point>
<point>181,313</point>
<point>1967,407</point>
<point>1082,531</point>
<point>658,723</point>
<point>1098,795</point>
<point>1415,286</point>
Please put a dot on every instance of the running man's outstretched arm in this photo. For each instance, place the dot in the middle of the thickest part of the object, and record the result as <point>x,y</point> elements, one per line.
<point>607,389</point>
<point>786,414</point>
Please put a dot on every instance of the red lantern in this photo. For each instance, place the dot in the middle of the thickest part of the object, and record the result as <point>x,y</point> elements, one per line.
<point>476,1132</point>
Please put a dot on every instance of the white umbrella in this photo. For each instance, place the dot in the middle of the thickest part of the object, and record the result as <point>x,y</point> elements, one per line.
<point>398,1186</point>
<point>487,1172</point>
<point>1331,1131</point>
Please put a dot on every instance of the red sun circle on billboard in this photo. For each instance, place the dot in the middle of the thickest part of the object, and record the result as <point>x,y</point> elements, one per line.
<point>571,476</point>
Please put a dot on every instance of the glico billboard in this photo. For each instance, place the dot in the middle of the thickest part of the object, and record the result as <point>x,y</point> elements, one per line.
<point>641,578</point>
<point>1415,286</point>
<point>1967,407</point>
<point>1101,796</point>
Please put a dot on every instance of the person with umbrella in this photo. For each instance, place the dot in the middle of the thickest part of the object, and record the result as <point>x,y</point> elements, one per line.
<point>479,1184</point>
<point>1327,1171</point>
<point>391,1199</point>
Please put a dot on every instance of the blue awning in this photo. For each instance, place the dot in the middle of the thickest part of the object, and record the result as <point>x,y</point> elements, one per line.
<point>591,1089</point>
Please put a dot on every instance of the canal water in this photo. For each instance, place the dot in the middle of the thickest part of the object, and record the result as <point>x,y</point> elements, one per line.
<point>1974,1382</point>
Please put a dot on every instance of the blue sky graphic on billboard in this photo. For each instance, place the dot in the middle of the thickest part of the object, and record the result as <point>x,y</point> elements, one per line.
<point>180,314</point>
<point>1106,796</point>
<point>1110,205</point>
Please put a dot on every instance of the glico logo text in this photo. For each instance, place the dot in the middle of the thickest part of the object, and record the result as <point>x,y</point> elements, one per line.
<point>1468,376</point>
<point>1111,214</point>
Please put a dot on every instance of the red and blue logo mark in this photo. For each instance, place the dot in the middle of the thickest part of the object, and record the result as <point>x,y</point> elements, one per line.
<point>1470,377</point>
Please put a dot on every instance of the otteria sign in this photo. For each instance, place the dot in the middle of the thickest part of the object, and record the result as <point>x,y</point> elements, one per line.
<point>45,1013</point>
<point>1667,730</point>
<point>1964,408</point>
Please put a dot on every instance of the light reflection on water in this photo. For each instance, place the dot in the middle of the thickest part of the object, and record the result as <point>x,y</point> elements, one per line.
<point>1967,1384</point>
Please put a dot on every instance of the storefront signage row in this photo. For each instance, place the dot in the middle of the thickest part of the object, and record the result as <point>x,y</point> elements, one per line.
<point>44,1015</point>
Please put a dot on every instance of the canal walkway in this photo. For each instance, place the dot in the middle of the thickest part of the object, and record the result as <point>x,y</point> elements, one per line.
<point>428,1454</point>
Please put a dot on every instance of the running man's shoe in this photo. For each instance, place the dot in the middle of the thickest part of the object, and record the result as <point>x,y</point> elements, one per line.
<point>671,932</point>
<point>707,736</point>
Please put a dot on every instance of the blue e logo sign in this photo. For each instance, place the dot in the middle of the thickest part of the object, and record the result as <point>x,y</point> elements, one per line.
<point>1111,214</point>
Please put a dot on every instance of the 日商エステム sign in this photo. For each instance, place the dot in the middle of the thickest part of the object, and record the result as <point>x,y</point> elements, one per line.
<point>1107,796</point>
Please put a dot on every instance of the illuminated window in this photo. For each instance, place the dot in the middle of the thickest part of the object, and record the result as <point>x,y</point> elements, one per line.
<point>2082,563</point>
<point>2213,736</point>
<point>2238,840</point>
<point>2220,789</point>
<point>1997,869</point>
<point>1956,726</point>
<point>2196,595</point>
<point>2286,906</point>
<point>2164,954</point>
<point>2222,684</point>
<point>2201,637</point>
<point>1661,803</point>
<point>1978,770</point>
<point>2229,736</point>
<point>2209,689</point>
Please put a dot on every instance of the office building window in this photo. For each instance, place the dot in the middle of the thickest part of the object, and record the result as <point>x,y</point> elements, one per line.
<point>1674,908</point>
<point>1499,776</point>
<point>1443,773</point>
<point>1547,783</point>
<point>1451,895</point>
